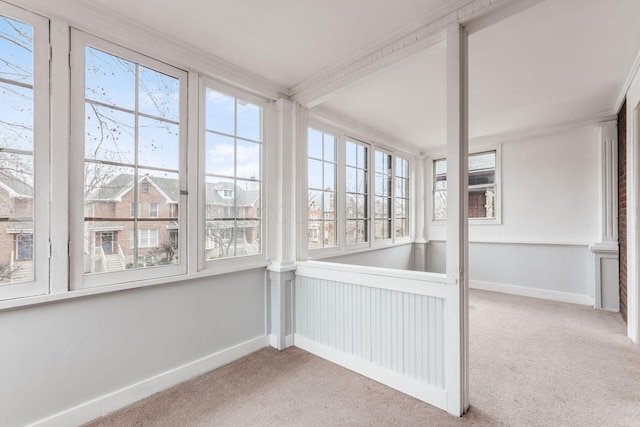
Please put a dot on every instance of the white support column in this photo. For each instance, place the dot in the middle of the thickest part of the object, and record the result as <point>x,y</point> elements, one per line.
<point>605,252</point>
<point>282,231</point>
<point>457,339</point>
<point>420,205</point>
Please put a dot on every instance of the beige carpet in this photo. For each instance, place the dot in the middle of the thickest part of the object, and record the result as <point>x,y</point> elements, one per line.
<point>533,363</point>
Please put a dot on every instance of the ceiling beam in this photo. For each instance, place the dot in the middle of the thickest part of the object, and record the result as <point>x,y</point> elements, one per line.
<point>427,34</point>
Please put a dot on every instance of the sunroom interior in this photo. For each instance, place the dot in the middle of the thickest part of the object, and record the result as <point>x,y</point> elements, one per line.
<point>184,184</point>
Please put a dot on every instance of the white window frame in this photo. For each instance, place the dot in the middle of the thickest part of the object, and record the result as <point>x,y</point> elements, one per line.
<point>497,220</point>
<point>235,262</point>
<point>391,217</point>
<point>145,234</point>
<point>344,134</point>
<point>79,280</point>
<point>41,156</point>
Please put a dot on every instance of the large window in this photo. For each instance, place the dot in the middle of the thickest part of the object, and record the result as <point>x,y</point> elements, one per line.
<point>357,193</point>
<point>383,197</point>
<point>321,202</point>
<point>357,189</point>
<point>23,153</point>
<point>133,146</point>
<point>402,197</point>
<point>233,136</point>
<point>482,187</point>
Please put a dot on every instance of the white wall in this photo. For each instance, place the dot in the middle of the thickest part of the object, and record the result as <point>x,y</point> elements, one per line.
<point>60,355</point>
<point>398,257</point>
<point>550,214</point>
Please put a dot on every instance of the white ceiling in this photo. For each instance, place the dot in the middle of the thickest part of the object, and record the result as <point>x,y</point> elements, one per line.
<point>557,61</point>
<point>285,41</point>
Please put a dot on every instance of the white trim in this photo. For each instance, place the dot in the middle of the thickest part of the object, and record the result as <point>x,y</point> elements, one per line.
<point>110,402</point>
<point>414,282</point>
<point>425,392</point>
<point>533,292</point>
<point>626,87</point>
<point>288,341</point>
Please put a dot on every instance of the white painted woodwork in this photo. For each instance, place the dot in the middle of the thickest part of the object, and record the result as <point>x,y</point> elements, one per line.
<point>605,251</point>
<point>457,261</point>
<point>390,330</point>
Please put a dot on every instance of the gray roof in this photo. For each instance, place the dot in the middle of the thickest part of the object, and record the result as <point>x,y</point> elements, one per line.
<point>15,183</point>
<point>169,186</point>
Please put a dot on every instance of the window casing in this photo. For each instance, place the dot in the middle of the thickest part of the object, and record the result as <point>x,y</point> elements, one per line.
<point>483,188</point>
<point>24,153</point>
<point>322,190</point>
<point>232,136</point>
<point>129,124</point>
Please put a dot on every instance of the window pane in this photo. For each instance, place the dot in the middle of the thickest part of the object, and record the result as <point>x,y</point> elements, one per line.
<point>315,174</point>
<point>109,134</point>
<point>248,160</point>
<point>109,79</point>
<point>329,148</point>
<point>352,154</point>
<point>351,181</point>
<point>440,205</point>
<point>16,116</point>
<point>329,176</point>
<point>16,45</point>
<point>362,157</point>
<point>159,94</point>
<point>220,112</point>
<point>329,236</point>
<point>220,154</point>
<point>249,121</point>
<point>158,144</point>
<point>315,144</point>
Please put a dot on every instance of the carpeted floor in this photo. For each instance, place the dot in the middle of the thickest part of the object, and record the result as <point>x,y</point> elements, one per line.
<point>532,363</point>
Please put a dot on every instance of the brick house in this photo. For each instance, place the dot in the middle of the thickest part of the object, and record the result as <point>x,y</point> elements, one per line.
<point>110,218</point>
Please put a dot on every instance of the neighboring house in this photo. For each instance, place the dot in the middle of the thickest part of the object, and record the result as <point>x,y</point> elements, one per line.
<point>16,235</point>
<point>110,219</point>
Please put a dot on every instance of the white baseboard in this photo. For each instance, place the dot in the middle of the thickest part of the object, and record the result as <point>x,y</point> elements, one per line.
<point>425,392</point>
<point>102,405</point>
<point>533,292</point>
<point>288,341</point>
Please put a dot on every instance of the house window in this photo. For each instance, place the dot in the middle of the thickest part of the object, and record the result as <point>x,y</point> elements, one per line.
<point>322,163</point>
<point>24,138</point>
<point>382,203</point>
<point>356,192</point>
<point>147,238</point>
<point>233,137</point>
<point>131,138</point>
<point>401,197</point>
<point>482,187</point>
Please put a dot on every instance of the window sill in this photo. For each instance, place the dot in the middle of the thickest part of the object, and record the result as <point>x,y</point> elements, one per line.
<point>16,303</point>
<point>472,222</point>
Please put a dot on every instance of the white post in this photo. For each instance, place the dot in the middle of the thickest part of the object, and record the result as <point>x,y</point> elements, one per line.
<point>605,252</point>
<point>283,211</point>
<point>420,198</point>
<point>457,262</point>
